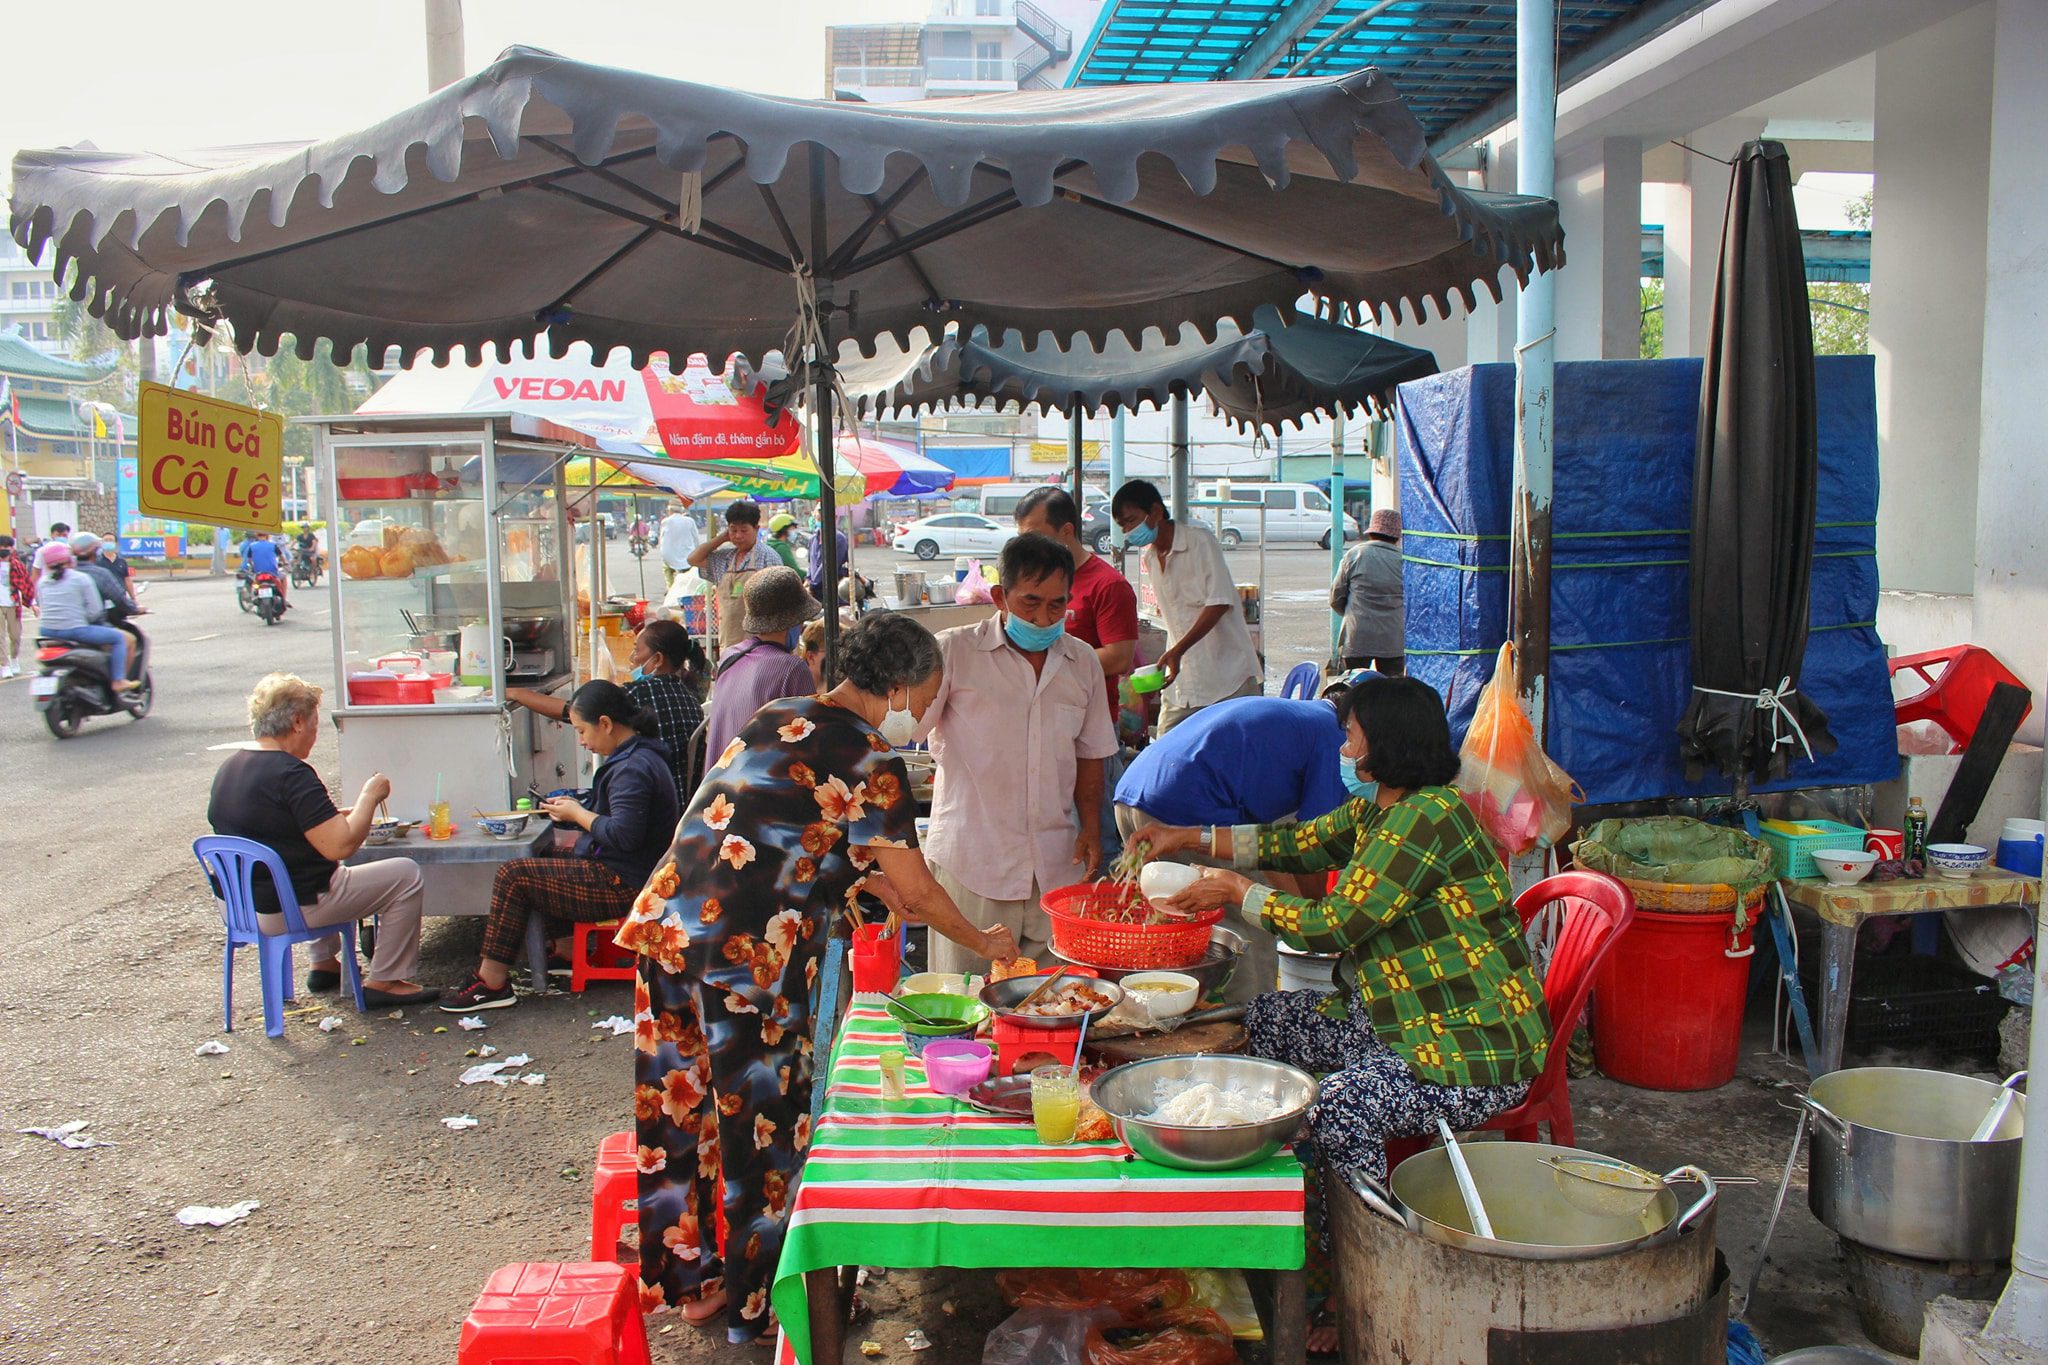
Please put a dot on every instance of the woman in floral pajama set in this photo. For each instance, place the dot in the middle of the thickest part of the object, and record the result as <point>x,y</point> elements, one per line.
<point>804,810</point>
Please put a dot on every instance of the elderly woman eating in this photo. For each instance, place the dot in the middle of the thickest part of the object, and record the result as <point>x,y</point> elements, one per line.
<point>1437,1012</point>
<point>631,815</point>
<point>797,816</point>
<point>272,795</point>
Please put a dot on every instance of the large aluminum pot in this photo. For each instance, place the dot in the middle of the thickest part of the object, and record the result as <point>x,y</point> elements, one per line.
<point>1130,1093</point>
<point>1532,1218</point>
<point>1410,1298</point>
<point>1893,1166</point>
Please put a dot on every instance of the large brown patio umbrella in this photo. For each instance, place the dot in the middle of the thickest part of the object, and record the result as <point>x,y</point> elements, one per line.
<point>1754,481</point>
<point>544,197</point>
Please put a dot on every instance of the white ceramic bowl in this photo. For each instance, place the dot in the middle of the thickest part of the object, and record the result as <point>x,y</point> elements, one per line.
<point>1177,998</point>
<point>1164,881</point>
<point>1844,866</point>
<point>933,983</point>
<point>1957,862</point>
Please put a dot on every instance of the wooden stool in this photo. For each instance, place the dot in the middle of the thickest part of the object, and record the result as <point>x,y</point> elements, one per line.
<point>615,1199</point>
<point>551,1311</point>
<point>605,961</point>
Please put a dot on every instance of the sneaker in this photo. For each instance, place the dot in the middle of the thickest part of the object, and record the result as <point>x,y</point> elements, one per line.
<point>477,996</point>
<point>9,671</point>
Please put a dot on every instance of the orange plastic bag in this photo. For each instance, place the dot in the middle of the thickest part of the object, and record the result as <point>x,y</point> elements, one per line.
<point>1134,1294</point>
<point>1175,1336</point>
<point>1522,798</point>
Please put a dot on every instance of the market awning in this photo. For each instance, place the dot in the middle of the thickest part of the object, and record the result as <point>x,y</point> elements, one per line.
<point>543,195</point>
<point>1290,368</point>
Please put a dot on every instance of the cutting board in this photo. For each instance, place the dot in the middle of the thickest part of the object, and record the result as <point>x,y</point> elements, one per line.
<point>1224,1035</point>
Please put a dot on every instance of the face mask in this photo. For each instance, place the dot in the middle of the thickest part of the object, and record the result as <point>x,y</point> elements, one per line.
<point>1141,535</point>
<point>899,727</point>
<point>638,673</point>
<point>1353,783</point>
<point>1032,638</point>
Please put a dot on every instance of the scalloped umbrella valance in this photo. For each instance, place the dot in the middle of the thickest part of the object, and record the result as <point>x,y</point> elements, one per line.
<point>548,197</point>
<point>1288,370</point>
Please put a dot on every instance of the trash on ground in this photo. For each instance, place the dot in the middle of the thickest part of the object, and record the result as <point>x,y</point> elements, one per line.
<point>521,1060</point>
<point>470,1023</point>
<point>534,1078</point>
<point>440,1028</point>
<point>459,1121</point>
<point>396,1014</point>
<point>72,1135</point>
<point>330,1023</point>
<point>485,1071</point>
<point>487,1051</point>
<point>617,1023</point>
<point>207,1215</point>
<point>916,1340</point>
<point>210,1048</point>
<point>871,1349</point>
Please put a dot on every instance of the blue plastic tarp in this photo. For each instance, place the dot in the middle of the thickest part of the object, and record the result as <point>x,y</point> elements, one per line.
<point>972,462</point>
<point>1620,636</point>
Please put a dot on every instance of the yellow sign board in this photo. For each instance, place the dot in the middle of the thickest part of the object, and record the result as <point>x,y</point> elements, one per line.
<point>1055,452</point>
<point>209,462</point>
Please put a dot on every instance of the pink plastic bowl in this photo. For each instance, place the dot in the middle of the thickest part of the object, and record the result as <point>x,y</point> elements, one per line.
<point>955,1066</point>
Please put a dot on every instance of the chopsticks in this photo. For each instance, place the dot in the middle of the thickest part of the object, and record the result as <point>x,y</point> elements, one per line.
<point>1049,982</point>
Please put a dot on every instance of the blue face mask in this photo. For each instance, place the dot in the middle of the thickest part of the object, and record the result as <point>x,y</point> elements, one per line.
<point>1032,638</point>
<point>1141,535</point>
<point>1353,783</point>
<point>638,673</point>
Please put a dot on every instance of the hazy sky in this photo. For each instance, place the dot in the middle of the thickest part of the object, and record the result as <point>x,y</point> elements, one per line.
<point>140,74</point>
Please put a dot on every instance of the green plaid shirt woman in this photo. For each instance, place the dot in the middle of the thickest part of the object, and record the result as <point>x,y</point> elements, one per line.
<point>1422,914</point>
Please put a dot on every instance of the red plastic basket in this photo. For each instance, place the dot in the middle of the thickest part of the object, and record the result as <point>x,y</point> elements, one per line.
<point>1080,932</point>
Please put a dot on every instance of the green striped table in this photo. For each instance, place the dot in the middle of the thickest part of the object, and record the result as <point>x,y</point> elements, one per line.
<point>929,1181</point>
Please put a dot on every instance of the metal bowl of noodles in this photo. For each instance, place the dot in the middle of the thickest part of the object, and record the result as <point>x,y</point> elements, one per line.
<point>1130,1094</point>
<point>1211,974</point>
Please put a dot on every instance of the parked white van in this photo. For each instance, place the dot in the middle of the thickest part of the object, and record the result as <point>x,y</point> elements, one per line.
<point>1298,512</point>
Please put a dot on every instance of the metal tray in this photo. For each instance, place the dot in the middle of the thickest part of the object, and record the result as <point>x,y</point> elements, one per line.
<point>1002,996</point>
<point>1007,1095</point>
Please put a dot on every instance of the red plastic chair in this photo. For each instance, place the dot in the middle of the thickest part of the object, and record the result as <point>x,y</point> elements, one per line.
<point>1596,911</point>
<point>594,957</point>
<point>615,1199</point>
<point>1955,698</point>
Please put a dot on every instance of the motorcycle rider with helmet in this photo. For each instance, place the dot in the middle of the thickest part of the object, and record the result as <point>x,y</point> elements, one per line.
<point>119,606</point>
<point>260,556</point>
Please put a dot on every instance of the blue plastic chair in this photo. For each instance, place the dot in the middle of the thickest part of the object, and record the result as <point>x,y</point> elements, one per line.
<point>233,864</point>
<point>1302,682</point>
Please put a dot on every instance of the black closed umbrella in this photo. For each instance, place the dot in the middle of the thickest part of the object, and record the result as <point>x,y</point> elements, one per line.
<point>1754,494</point>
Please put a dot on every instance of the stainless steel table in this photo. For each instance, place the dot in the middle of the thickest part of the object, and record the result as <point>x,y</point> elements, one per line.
<point>471,845</point>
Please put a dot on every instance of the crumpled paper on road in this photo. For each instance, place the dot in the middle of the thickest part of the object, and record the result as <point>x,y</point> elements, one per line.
<point>72,1135</point>
<point>207,1215</point>
<point>470,1023</point>
<point>618,1024</point>
<point>459,1121</point>
<point>330,1023</point>
<point>490,1071</point>
<point>210,1048</point>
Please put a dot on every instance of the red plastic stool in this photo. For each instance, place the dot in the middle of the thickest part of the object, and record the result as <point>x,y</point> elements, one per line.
<point>602,961</point>
<point>1955,698</point>
<point>552,1313</point>
<point>1019,1044</point>
<point>615,1199</point>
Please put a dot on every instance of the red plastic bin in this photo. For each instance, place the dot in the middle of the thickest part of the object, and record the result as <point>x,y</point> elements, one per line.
<point>1668,1002</point>
<point>413,689</point>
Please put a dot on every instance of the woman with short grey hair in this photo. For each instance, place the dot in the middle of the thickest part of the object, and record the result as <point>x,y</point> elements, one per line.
<point>808,807</point>
<point>272,795</point>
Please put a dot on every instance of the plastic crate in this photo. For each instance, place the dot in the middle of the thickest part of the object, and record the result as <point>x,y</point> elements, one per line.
<point>1912,1000</point>
<point>1793,853</point>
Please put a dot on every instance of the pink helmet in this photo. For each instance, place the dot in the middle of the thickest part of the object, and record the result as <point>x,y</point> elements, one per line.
<point>54,554</point>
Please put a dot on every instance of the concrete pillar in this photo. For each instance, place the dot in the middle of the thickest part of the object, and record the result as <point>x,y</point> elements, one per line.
<point>2012,484</point>
<point>1932,161</point>
<point>1600,200</point>
<point>1692,233</point>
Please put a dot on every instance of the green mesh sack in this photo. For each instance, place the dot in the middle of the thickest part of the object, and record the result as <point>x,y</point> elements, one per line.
<point>1675,849</point>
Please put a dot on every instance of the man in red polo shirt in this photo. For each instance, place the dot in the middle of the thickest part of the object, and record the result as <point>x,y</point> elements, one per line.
<point>1102,611</point>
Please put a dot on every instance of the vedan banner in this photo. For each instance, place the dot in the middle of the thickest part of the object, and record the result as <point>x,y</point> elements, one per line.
<point>206,461</point>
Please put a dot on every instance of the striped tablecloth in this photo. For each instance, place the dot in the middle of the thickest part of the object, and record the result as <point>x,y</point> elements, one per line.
<point>929,1180</point>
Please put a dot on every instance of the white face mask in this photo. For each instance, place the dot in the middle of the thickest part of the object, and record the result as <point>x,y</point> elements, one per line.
<point>898,726</point>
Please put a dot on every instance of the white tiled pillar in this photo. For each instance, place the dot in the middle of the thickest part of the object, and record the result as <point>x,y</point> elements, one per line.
<point>1600,199</point>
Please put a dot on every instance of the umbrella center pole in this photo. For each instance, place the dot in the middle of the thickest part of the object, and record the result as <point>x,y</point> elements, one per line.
<point>815,319</point>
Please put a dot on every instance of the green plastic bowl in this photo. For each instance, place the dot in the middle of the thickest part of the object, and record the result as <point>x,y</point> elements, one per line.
<point>963,1014</point>
<point>1150,679</point>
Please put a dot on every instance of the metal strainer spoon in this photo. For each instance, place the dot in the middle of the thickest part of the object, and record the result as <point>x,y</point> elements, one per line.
<point>1614,1189</point>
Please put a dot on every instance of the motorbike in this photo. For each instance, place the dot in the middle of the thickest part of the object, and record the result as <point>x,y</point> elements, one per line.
<point>306,566</point>
<point>74,683</point>
<point>268,594</point>
<point>638,545</point>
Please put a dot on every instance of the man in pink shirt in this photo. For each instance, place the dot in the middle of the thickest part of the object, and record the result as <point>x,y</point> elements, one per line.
<point>1020,728</point>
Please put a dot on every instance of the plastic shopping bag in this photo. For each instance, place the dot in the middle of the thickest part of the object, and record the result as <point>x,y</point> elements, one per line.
<point>1522,798</point>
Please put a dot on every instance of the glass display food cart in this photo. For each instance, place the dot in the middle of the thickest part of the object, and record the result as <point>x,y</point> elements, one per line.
<point>451,583</point>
